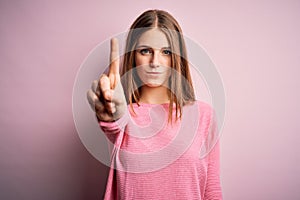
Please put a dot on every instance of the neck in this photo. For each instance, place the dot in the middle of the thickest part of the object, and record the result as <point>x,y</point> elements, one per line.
<point>154,95</point>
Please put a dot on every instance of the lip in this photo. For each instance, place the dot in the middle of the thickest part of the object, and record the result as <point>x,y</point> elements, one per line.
<point>154,73</point>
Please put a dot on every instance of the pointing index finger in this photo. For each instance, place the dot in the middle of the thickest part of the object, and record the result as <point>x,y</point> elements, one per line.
<point>114,57</point>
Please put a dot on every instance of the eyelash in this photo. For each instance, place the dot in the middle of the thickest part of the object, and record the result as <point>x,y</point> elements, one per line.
<point>168,52</point>
<point>142,51</point>
<point>165,52</point>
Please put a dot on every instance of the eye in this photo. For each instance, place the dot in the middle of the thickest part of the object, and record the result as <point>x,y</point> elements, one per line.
<point>167,52</point>
<point>145,51</point>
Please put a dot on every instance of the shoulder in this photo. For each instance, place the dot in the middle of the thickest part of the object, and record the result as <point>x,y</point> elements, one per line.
<point>201,107</point>
<point>205,108</point>
<point>200,110</point>
<point>206,114</point>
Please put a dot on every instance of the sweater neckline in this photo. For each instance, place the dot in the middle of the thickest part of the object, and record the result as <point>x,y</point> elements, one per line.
<point>151,104</point>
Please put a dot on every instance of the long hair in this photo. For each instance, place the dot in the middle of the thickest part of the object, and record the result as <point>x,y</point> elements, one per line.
<point>180,86</point>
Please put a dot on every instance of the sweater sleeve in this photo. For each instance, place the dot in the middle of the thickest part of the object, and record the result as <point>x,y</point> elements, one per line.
<point>213,187</point>
<point>114,130</point>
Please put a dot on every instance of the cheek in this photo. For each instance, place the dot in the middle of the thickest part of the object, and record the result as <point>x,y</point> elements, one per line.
<point>140,71</point>
<point>167,62</point>
<point>137,60</point>
<point>140,60</point>
<point>168,73</point>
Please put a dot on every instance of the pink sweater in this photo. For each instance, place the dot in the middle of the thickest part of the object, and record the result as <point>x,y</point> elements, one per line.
<point>154,159</point>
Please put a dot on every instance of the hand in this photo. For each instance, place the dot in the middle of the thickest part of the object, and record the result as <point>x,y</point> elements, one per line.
<point>106,97</point>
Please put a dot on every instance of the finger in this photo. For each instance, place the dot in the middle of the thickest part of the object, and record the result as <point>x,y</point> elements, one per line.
<point>114,56</point>
<point>99,107</point>
<point>104,85</point>
<point>113,108</point>
<point>110,107</point>
<point>118,95</point>
<point>114,80</point>
<point>114,63</point>
<point>105,117</point>
<point>94,102</point>
<point>95,87</point>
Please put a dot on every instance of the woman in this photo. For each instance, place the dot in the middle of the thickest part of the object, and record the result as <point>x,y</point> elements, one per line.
<point>157,138</point>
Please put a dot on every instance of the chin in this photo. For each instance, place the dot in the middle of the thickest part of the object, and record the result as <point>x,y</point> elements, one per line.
<point>153,85</point>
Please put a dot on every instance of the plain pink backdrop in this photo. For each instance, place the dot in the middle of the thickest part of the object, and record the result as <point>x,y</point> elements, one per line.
<point>255,45</point>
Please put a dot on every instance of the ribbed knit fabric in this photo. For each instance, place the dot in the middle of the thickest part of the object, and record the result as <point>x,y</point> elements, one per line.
<point>154,159</point>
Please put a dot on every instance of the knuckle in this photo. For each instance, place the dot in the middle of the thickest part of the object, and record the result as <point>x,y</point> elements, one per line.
<point>103,80</point>
<point>89,94</point>
<point>95,82</point>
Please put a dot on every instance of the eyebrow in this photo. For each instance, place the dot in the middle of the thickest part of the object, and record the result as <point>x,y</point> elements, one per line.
<point>147,46</point>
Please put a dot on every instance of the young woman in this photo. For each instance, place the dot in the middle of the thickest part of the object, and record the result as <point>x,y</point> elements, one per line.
<point>159,135</point>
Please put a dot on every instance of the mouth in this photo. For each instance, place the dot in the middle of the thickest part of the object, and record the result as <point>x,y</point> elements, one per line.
<point>154,73</point>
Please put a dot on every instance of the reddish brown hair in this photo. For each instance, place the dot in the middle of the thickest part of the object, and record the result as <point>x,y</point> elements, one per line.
<point>180,86</point>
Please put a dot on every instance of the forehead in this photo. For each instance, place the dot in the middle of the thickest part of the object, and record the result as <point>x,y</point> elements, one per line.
<point>154,38</point>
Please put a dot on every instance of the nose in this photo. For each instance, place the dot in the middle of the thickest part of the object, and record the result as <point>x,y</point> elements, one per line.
<point>155,59</point>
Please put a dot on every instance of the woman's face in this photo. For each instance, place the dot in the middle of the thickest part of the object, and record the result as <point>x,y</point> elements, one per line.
<point>153,58</point>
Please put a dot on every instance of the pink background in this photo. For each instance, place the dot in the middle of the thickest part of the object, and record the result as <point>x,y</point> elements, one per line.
<point>255,45</point>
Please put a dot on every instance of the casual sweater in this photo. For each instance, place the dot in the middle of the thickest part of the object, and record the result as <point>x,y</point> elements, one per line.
<point>152,158</point>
